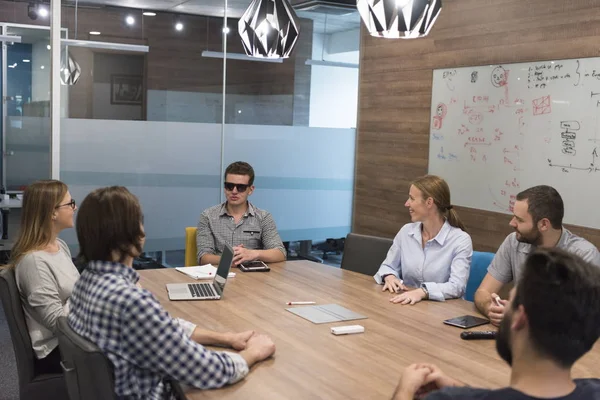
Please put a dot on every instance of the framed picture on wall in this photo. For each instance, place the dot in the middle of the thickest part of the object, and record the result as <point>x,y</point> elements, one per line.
<point>126,89</point>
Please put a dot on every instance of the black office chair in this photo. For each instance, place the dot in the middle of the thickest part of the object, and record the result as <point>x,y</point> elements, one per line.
<point>32,386</point>
<point>364,254</point>
<point>88,372</point>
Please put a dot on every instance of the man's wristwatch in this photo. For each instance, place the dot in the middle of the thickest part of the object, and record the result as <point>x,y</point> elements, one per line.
<point>424,288</point>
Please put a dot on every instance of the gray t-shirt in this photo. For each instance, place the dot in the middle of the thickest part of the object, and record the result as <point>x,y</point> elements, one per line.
<point>45,281</point>
<point>508,262</point>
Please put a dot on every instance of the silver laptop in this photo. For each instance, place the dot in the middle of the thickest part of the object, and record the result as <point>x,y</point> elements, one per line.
<point>205,290</point>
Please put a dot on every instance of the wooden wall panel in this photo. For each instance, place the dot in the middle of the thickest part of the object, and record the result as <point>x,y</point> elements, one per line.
<point>395,97</point>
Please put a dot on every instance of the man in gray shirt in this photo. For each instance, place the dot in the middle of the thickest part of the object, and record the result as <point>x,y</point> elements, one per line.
<point>249,230</point>
<point>537,220</point>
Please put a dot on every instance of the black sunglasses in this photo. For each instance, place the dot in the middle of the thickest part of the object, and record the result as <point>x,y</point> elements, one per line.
<point>241,187</point>
<point>71,203</point>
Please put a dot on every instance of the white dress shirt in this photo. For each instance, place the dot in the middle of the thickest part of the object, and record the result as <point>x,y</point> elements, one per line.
<point>442,265</point>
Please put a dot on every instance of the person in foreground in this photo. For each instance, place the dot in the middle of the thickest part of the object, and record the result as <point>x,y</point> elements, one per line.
<point>552,319</point>
<point>249,230</point>
<point>146,346</point>
<point>430,258</point>
<point>537,220</point>
<point>44,270</point>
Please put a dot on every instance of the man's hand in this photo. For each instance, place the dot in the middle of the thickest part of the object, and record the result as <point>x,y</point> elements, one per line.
<point>435,380</point>
<point>239,341</point>
<point>418,380</point>
<point>393,284</point>
<point>413,378</point>
<point>242,255</point>
<point>495,311</point>
<point>410,297</point>
<point>259,347</point>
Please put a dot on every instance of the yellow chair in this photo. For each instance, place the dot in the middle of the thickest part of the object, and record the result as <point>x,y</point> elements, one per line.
<point>190,246</point>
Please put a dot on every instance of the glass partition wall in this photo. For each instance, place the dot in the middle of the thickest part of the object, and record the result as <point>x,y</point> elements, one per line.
<point>161,123</point>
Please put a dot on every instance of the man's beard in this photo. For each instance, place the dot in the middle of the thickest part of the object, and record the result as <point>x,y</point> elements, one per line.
<point>534,237</point>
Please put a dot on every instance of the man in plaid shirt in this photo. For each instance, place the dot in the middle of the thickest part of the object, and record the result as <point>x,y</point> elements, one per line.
<point>248,229</point>
<point>145,345</point>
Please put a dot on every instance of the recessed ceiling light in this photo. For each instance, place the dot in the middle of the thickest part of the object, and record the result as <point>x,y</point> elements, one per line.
<point>42,11</point>
<point>25,60</point>
<point>226,30</point>
<point>130,20</point>
<point>179,26</point>
<point>149,14</point>
<point>95,33</point>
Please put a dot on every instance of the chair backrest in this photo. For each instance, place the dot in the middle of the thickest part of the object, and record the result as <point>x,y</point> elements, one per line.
<point>190,246</point>
<point>88,372</point>
<point>364,254</point>
<point>480,262</point>
<point>11,301</point>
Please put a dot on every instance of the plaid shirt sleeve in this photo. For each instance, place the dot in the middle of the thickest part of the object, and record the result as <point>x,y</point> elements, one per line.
<point>153,340</point>
<point>270,236</point>
<point>205,242</point>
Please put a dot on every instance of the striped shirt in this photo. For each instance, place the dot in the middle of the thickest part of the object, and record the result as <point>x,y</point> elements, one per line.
<point>256,230</point>
<point>145,345</point>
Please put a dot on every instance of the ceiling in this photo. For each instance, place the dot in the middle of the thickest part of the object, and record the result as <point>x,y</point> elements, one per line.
<point>235,9</point>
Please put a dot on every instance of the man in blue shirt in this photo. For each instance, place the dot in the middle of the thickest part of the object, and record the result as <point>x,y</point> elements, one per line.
<point>552,320</point>
<point>146,346</point>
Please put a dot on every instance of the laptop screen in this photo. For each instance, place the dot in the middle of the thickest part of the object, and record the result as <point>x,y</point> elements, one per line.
<point>224,267</point>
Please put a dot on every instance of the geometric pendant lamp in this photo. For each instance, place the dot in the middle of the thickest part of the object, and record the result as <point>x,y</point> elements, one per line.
<point>269,29</point>
<point>70,71</point>
<point>405,19</point>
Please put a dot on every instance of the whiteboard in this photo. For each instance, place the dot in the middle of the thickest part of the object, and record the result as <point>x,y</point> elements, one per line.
<point>499,129</point>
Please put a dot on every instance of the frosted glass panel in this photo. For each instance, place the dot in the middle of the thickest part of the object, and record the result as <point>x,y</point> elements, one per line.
<point>172,167</point>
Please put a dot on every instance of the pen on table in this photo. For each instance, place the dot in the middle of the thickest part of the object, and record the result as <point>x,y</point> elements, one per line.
<point>299,303</point>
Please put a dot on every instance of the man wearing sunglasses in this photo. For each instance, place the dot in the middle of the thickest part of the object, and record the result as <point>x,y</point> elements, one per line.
<point>249,230</point>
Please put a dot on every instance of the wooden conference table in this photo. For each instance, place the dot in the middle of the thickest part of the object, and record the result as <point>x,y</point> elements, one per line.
<point>310,362</point>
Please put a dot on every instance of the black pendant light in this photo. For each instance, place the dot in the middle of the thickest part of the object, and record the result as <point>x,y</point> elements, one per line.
<point>70,71</point>
<point>406,19</point>
<point>269,29</point>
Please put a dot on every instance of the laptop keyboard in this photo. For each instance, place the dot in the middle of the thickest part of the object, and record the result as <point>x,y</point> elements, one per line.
<point>202,290</point>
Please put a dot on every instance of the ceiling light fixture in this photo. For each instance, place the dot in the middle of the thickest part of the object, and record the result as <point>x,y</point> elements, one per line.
<point>26,60</point>
<point>149,14</point>
<point>130,20</point>
<point>178,26</point>
<point>238,56</point>
<point>324,63</point>
<point>405,19</point>
<point>226,30</point>
<point>268,29</point>
<point>92,44</point>
<point>43,11</point>
<point>95,33</point>
<point>70,71</point>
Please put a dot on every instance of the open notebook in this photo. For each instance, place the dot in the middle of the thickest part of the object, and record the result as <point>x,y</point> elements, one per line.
<point>201,271</point>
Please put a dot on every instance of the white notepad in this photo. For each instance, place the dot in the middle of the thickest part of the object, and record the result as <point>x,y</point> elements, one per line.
<point>325,313</point>
<point>201,271</point>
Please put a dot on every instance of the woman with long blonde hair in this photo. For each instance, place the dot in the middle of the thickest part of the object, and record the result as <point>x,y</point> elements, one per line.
<point>44,270</point>
<point>430,258</point>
